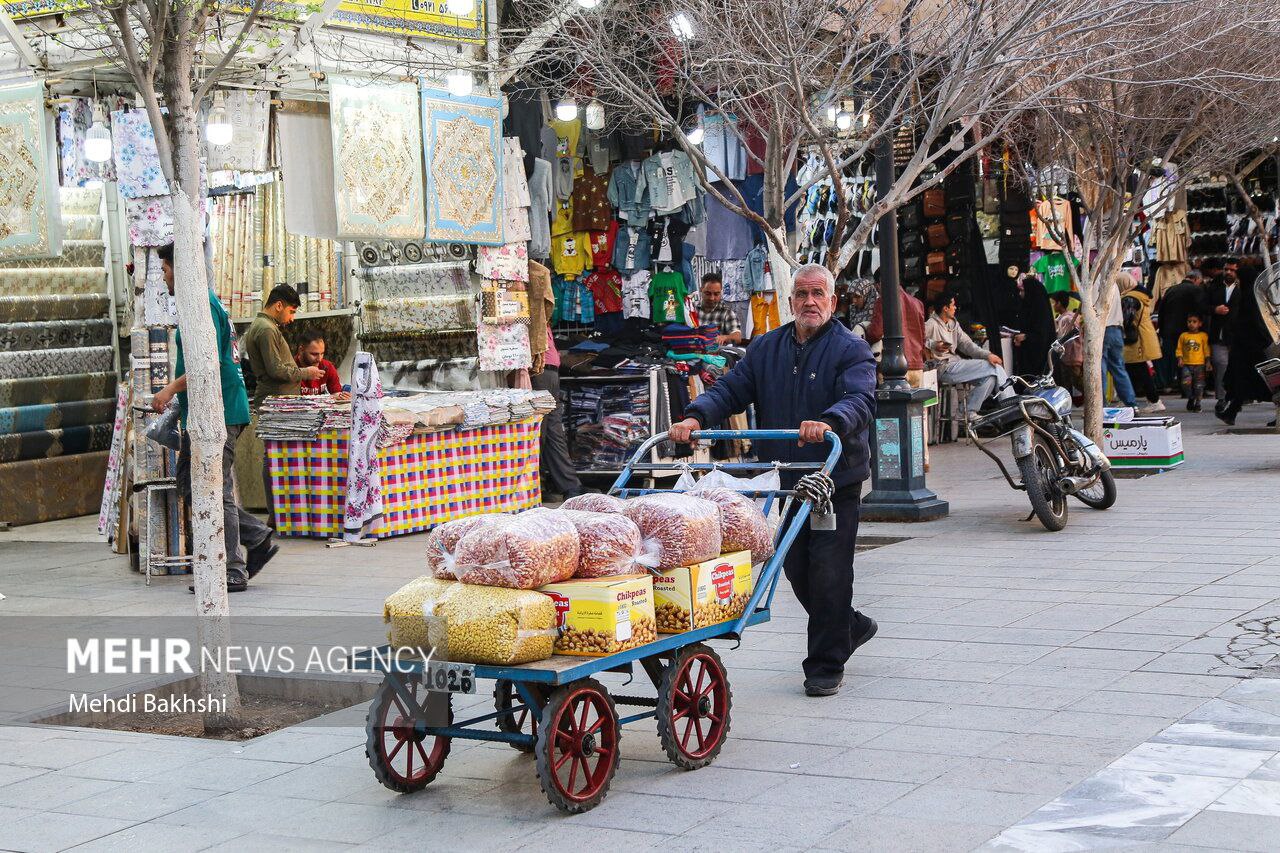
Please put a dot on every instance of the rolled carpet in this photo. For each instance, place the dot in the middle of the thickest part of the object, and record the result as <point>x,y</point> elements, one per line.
<point>56,415</point>
<point>37,390</point>
<point>57,280</point>
<point>48,489</point>
<point>23,309</point>
<point>55,334</point>
<point>25,364</point>
<point>48,443</point>
<point>75,253</point>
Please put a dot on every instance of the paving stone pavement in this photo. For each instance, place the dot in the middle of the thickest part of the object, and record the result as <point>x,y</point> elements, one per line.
<point>1028,690</point>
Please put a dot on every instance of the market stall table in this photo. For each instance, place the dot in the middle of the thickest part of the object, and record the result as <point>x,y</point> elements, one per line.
<point>427,479</point>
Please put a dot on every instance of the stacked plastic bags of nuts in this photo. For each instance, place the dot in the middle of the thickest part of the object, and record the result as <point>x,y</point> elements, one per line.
<point>743,526</point>
<point>685,529</point>
<point>522,551</point>
<point>610,544</point>
<point>471,624</point>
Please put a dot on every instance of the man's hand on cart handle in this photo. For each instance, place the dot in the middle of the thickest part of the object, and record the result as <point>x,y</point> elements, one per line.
<point>679,432</point>
<point>812,432</point>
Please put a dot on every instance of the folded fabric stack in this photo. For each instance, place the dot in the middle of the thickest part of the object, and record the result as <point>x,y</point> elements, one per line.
<point>293,418</point>
<point>305,417</point>
<point>683,340</point>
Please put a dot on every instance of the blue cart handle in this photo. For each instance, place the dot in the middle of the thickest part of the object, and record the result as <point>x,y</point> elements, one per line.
<point>830,436</point>
<point>773,567</point>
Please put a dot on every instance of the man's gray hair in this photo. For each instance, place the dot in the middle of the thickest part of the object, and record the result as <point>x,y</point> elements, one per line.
<point>1194,273</point>
<point>810,270</point>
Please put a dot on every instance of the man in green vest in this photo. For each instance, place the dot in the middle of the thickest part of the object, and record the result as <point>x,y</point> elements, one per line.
<point>238,526</point>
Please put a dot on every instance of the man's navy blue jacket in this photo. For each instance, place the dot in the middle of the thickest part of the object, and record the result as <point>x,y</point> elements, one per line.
<point>830,378</point>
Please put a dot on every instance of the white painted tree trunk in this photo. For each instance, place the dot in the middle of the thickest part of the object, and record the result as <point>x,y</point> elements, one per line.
<point>205,422</point>
<point>1093,331</point>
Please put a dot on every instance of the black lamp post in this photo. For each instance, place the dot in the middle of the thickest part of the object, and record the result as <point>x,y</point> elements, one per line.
<point>898,490</point>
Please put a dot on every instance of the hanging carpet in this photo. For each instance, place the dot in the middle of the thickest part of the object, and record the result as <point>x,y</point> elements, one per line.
<point>15,419</point>
<point>55,334</point>
<point>48,443</point>
<point>71,486</point>
<point>24,309</point>
<point>25,364</point>
<point>36,391</point>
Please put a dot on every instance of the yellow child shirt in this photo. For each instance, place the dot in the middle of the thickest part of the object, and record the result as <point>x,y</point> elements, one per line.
<point>562,216</point>
<point>571,253</point>
<point>1193,349</point>
<point>569,142</point>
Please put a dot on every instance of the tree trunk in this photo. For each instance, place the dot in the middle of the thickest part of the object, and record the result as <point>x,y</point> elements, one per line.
<point>1093,331</point>
<point>205,423</point>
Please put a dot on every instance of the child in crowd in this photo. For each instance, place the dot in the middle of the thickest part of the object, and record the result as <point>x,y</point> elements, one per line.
<point>1070,369</point>
<point>1193,357</point>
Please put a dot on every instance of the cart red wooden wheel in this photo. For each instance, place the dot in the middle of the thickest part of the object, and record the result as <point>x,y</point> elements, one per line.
<point>577,747</point>
<point>694,704</point>
<point>524,721</point>
<point>404,757</point>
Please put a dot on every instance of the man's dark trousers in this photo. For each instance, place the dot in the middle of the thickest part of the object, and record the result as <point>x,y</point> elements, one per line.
<point>820,568</point>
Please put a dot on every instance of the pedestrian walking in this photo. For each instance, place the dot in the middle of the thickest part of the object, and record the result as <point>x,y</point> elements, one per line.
<point>239,527</point>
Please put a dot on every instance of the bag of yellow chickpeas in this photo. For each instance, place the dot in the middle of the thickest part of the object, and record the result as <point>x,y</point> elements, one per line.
<point>469,623</point>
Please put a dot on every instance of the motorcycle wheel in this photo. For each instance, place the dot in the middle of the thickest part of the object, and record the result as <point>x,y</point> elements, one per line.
<point>1040,472</point>
<point>1102,494</point>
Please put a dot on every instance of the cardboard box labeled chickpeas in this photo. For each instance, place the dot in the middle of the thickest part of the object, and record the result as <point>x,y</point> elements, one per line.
<point>703,594</point>
<point>600,616</point>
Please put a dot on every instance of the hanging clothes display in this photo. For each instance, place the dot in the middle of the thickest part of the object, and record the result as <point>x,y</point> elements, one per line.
<point>1053,272</point>
<point>591,210</point>
<point>666,297</point>
<point>1055,214</point>
<point>729,236</point>
<point>722,146</point>
<point>540,201</point>
<point>364,479</point>
<point>515,194</point>
<point>377,158</point>
<point>30,215</point>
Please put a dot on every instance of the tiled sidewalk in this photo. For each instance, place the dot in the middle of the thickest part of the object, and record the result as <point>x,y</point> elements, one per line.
<point>1015,671</point>
<point>1212,778</point>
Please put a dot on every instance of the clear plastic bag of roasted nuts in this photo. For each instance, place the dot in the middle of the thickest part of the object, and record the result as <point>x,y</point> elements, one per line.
<point>523,551</point>
<point>443,540</point>
<point>743,526</point>
<point>595,503</point>
<point>686,529</point>
<point>610,544</point>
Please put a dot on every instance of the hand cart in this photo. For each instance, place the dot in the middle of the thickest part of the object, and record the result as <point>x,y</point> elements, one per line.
<point>555,708</point>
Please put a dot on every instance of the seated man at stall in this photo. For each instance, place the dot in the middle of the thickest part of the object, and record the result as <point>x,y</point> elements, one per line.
<point>311,354</point>
<point>962,360</point>
<point>713,311</point>
<point>813,375</point>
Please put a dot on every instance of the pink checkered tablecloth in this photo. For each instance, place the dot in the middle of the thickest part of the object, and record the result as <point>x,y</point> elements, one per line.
<point>426,480</point>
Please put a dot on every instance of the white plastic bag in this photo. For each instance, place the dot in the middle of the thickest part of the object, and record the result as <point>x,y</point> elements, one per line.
<point>769,481</point>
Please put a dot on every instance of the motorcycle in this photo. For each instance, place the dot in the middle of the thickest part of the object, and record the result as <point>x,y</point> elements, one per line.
<point>1055,460</point>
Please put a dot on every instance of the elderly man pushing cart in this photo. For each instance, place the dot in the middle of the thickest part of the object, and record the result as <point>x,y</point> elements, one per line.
<point>815,373</point>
